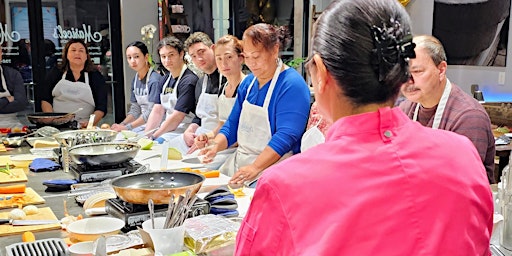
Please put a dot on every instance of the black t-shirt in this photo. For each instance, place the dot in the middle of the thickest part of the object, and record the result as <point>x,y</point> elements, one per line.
<point>96,82</point>
<point>185,92</point>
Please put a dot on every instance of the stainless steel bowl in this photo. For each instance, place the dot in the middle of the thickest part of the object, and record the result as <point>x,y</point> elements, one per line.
<point>79,137</point>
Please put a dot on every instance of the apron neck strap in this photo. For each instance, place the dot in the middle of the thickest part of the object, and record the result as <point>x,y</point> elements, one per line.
<point>440,107</point>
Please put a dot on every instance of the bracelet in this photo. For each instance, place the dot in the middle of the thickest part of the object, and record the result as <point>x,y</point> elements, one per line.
<point>128,126</point>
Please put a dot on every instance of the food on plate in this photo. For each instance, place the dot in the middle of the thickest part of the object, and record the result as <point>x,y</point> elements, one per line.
<point>174,154</point>
<point>30,210</point>
<point>128,134</point>
<point>17,214</point>
<point>13,189</point>
<point>503,129</point>
<point>105,126</point>
<point>145,143</point>
<point>28,237</point>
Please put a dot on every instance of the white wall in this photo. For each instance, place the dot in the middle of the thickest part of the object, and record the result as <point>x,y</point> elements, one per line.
<point>421,12</point>
<point>134,16</point>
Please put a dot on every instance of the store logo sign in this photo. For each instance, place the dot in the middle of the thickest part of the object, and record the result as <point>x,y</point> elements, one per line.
<point>77,33</point>
<point>5,36</point>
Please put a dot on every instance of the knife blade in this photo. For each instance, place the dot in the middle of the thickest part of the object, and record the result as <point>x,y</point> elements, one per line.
<point>28,222</point>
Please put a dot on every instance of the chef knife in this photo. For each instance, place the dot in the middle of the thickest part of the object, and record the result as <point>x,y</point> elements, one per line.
<point>28,222</point>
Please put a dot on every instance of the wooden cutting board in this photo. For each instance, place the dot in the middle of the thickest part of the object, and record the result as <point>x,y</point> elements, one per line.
<point>18,175</point>
<point>31,197</point>
<point>5,160</point>
<point>44,214</point>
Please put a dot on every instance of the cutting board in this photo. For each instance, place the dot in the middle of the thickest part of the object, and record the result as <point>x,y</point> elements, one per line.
<point>44,214</point>
<point>5,160</point>
<point>18,175</point>
<point>31,197</point>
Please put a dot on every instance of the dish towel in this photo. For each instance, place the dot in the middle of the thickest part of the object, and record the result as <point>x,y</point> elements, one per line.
<point>222,202</point>
<point>43,165</point>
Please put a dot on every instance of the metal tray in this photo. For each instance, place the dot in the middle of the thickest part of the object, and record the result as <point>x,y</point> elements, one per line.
<point>43,247</point>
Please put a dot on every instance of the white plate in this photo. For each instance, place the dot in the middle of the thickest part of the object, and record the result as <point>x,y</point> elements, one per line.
<point>23,157</point>
<point>508,135</point>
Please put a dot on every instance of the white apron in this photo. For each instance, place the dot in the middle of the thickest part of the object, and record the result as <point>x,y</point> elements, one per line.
<point>225,105</point>
<point>254,132</point>
<point>7,120</point>
<point>142,95</point>
<point>312,137</point>
<point>68,96</point>
<point>142,98</point>
<point>440,106</point>
<point>168,101</point>
<point>206,109</point>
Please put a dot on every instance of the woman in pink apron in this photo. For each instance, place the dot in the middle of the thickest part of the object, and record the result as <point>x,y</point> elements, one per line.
<point>145,88</point>
<point>270,113</point>
<point>381,184</point>
<point>76,84</point>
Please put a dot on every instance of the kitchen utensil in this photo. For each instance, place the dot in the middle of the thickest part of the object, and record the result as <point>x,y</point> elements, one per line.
<point>193,160</point>
<point>100,246</point>
<point>13,141</point>
<point>53,119</point>
<point>47,247</point>
<point>138,137</point>
<point>151,208</point>
<point>47,131</point>
<point>27,222</point>
<point>159,186</point>
<point>90,124</point>
<point>108,153</point>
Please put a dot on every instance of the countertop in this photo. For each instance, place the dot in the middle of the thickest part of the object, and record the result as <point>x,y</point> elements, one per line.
<point>55,200</point>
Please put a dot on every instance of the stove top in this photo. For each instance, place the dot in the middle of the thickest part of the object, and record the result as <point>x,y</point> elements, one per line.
<point>72,125</point>
<point>88,173</point>
<point>134,214</point>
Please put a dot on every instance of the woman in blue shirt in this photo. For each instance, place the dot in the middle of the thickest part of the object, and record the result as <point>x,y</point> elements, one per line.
<point>270,113</point>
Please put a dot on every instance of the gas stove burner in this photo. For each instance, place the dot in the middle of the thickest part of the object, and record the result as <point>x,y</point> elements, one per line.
<point>90,173</point>
<point>134,214</point>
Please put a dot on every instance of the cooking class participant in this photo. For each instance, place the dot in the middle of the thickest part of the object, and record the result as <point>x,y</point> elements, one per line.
<point>270,112</point>
<point>435,102</point>
<point>381,183</point>
<point>315,130</point>
<point>208,88</point>
<point>13,98</point>
<point>145,88</point>
<point>229,59</point>
<point>176,99</point>
<point>76,84</point>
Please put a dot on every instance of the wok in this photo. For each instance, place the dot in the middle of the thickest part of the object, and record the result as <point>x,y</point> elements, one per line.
<point>43,118</point>
<point>138,188</point>
<point>107,153</point>
<point>77,137</point>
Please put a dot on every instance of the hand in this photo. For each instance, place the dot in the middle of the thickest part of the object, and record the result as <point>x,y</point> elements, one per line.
<point>189,138</point>
<point>118,127</point>
<point>209,153</point>
<point>201,140</point>
<point>246,173</point>
<point>10,98</point>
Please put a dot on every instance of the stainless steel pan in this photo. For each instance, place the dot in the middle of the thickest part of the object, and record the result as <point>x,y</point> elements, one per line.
<point>78,137</point>
<point>159,186</point>
<point>108,153</point>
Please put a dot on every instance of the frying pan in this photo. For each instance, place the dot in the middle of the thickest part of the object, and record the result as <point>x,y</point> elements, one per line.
<point>138,188</point>
<point>76,137</point>
<point>107,153</point>
<point>43,118</point>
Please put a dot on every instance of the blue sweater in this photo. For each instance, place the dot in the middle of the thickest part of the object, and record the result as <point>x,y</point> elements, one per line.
<point>288,110</point>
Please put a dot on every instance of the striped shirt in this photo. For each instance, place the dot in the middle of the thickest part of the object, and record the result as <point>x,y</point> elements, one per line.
<point>465,116</point>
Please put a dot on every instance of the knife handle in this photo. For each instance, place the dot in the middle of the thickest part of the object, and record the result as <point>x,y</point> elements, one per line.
<point>5,221</point>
